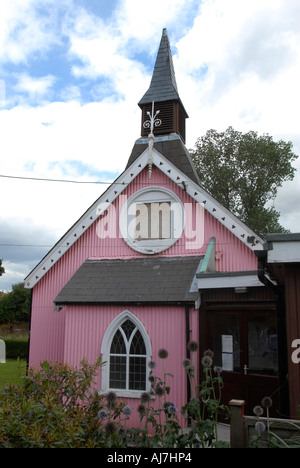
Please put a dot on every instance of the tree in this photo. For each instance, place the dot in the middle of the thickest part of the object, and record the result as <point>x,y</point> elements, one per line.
<point>15,305</point>
<point>243,171</point>
<point>2,270</point>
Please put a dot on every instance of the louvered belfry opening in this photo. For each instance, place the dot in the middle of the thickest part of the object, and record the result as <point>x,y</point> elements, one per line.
<point>172,116</point>
<point>163,92</point>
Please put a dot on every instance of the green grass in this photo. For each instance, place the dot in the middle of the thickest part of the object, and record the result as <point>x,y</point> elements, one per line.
<point>12,372</point>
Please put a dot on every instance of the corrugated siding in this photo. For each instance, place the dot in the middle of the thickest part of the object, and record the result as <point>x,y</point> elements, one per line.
<point>86,325</point>
<point>48,328</point>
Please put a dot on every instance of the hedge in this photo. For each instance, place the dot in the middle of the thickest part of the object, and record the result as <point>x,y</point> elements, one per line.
<point>16,349</point>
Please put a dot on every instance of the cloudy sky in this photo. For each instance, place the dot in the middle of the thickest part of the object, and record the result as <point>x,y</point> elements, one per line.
<point>72,72</point>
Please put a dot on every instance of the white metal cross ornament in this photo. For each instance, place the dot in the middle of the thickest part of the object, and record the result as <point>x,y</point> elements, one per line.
<point>151,123</point>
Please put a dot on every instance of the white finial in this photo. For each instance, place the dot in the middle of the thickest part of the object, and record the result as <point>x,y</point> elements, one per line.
<point>151,123</point>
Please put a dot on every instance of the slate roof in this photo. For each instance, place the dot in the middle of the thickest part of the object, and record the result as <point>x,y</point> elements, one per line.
<point>143,280</point>
<point>163,86</point>
<point>172,148</point>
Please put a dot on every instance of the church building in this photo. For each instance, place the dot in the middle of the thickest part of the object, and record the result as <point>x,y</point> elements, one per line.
<point>154,263</point>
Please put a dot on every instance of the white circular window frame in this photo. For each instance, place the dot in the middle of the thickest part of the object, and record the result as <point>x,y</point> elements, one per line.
<point>128,216</point>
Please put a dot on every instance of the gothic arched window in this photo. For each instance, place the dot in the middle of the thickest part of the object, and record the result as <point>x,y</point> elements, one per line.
<point>126,349</point>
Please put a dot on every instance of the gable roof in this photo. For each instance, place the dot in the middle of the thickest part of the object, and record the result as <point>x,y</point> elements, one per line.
<point>225,217</point>
<point>142,280</point>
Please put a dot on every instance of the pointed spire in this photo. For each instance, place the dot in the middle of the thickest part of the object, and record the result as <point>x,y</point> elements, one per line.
<point>163,86</point>
<point>163,92</point>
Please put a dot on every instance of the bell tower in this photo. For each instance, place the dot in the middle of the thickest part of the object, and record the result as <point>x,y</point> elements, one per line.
<point>164,93</point>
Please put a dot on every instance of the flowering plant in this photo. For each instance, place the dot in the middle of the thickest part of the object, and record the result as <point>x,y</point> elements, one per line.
<point>266,433</point>
<point>203,410</point>
<point>58,407</point>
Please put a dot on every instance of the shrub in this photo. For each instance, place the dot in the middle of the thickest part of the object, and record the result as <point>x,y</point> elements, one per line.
<point>57,407</point>
<point>16,349</point>
<point>52,408</point>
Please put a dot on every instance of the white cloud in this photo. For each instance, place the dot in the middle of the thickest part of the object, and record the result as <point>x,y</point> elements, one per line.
<point>35,87</point>
<point>101,50</point>
<point>69,131</point>
<point>26,27</point>
<point>239,63</point>
<point>14,273</point>
<point>144,21</point>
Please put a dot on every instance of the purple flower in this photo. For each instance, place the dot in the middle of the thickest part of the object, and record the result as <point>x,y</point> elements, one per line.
<point>209,353</point>
<point>193,346</point>
<point>121,431</point>
<point>257,410</point>
<point>159,391</point>
<point>127,410</point>
<point>260,427</point>
<point>186,363</point>
<point>163,354</point>
<point>145,397</point>
<point>110,428</point>
<point>141,409</point>
<point>206,361</point>
<point>152,364</point>
<point>267,402</point>
<point>102,414</point>
<point>172,409</point>
<point>111,397</point>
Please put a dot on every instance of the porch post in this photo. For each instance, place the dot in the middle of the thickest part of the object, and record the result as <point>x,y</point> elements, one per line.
<point>237,425</point>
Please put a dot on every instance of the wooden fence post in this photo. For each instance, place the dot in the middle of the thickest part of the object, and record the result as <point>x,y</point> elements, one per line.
<point>237,425</point>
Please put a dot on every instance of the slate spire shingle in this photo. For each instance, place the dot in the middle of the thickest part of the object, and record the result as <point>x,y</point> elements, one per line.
<point>163,91</point>
<point>163,86</point>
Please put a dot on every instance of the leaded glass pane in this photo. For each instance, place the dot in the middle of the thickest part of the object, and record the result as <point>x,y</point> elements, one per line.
<point>118,344</point>
<point>117,377</point>
<point>128,367</point>
<point>137,344</point>
<point>137,373</point>
<point>128,328</point>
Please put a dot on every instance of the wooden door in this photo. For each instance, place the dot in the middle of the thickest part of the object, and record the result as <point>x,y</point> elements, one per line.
<point>245,347</point>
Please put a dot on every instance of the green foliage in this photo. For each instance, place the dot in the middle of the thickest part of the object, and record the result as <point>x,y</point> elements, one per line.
<point>205,407</point>
<point>15,306</point>
<point>2,270</point>
<point>16,349</point>
<point>52,408</point>
<point>200,413</point>
<point>58,407</point>
<point>13,371</point>
<point>266,430</point>
<point>158,416</point>
<point>243,171</point>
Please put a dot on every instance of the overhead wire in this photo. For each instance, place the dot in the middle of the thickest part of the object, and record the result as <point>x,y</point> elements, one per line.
<point>55,180</point>
<point>86,182</point>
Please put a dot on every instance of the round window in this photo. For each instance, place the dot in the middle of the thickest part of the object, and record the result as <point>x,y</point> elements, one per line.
<point>152,220</point>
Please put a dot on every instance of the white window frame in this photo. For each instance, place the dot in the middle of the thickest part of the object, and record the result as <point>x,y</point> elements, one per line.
<point>105,352</point>
<point>153,229</point>
<point>127,220</point>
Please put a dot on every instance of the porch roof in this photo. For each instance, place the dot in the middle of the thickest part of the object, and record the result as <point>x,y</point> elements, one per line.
<point>139,280</point>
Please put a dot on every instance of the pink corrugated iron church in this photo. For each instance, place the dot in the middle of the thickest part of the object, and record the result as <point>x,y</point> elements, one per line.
<point>154,263</point>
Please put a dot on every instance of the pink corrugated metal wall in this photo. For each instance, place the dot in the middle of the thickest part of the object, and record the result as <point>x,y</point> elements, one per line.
<point>77,332</point>
<point>86,325</point>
